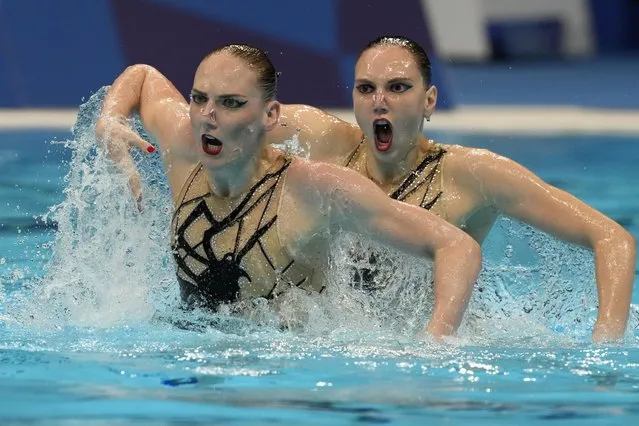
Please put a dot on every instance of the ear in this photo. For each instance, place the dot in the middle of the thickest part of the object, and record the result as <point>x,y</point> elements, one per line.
<point>272,114</point>
<point>430,102</point>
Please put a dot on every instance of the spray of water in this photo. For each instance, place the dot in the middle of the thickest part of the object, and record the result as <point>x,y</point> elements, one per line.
<point>532,286</point>
<point>111,265</point>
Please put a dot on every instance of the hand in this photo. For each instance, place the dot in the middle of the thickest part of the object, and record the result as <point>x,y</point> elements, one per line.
<point>117,137</point>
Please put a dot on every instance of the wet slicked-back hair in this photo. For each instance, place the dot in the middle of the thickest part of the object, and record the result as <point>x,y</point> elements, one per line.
<point>257,60</point>
<point>418,52</point>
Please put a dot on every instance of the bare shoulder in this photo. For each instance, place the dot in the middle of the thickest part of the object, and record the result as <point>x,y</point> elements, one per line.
<point>463,153</point>
<point>309,116</point>
<point>327,136</point>
<point>463,161</point>
<point>478,172</point>
<point>488,175</point>
<point>306,198</point>
<point>306,173</point>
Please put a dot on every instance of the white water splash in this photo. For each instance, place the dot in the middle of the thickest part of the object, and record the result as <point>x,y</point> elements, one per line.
<point>112,265</point>
<point>109,263</point>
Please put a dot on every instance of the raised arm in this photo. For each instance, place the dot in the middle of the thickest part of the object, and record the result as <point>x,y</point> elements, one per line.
<point>359,206</point>
<point>322,136</point>
<point>518,193</point>
<point>164,115</point>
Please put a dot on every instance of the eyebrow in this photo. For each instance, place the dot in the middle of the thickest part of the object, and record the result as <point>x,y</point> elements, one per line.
<point>400,80</point>
<point>391,81</point>
<point>229,95</point>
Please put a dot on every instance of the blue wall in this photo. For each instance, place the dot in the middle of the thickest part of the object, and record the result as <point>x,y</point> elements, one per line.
<point>52,53</point>
<point>55,53</point>
<point>616,25</point>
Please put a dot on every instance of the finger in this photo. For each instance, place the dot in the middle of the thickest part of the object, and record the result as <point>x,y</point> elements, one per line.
<point>142,145</point>
<point>133,139</point>
<point>119,153</point>
<point>119,130</point>
<point>133,178</point>
<point>136,190</point>
<point>138,203</point>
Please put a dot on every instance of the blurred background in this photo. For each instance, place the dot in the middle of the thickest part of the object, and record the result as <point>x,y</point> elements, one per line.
<point>578,53</point>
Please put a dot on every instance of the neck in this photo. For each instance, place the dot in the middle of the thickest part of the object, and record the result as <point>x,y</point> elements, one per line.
<point>236,179</point>
<point>393,170</point>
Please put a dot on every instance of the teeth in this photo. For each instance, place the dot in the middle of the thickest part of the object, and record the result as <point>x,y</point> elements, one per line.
<point>212,140</point>
<point>382,123</point>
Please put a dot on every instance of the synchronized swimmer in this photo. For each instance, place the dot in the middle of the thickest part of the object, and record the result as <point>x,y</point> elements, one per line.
<point>252,221</point>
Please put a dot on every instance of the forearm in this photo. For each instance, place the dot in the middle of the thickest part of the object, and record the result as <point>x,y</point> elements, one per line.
<point>615,257</point>
<point>130,92</point>
<point>125,93</point>
<point>456,270</point>
<point>113,131</point>
<point>122,99</point>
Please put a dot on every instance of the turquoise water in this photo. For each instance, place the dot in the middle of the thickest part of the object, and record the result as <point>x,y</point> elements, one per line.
<point>81,342</point>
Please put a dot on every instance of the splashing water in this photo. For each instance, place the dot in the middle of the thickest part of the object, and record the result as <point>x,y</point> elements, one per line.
<point>531,286</point>
<point>111,265</point>
<point>293,147</point>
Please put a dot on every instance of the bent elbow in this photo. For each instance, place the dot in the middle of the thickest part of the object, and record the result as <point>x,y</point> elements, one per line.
<point>467,250</point>
<point>139,69</point>
<point>618,237</point>
<point>474,252</point>
<point>630,242</point>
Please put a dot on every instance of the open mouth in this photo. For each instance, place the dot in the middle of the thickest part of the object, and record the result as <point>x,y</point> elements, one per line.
<point>211,145</point>
<point>383,134</point>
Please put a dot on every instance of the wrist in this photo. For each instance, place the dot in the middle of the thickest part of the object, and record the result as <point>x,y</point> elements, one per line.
<point>607,330</point>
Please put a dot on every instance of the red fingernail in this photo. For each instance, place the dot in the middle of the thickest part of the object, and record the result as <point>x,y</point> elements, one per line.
<point>150,149</point>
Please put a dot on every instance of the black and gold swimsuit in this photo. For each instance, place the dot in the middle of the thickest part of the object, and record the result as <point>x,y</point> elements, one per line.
<point>421,187</point>
<point>229,250</point>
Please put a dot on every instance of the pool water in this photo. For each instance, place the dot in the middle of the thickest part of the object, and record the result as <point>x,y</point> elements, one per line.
<point>82,283</point>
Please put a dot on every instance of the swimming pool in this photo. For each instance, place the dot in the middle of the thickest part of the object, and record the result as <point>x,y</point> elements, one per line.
<point>80,338</point>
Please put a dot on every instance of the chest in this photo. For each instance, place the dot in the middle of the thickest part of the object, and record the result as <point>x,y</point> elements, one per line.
<point>233,244</point>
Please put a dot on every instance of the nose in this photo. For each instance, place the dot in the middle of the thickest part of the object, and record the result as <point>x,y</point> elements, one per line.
<point>379,103</point>
<point>207,110</point>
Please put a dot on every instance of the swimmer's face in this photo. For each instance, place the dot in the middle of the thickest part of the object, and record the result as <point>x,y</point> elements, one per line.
<point>228,112</point>
<point>391,100</point>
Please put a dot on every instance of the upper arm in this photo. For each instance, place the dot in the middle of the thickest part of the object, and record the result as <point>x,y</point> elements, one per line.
<point>517,192</point>
<point>324,136</point>
<point>163,110</point>
<point>162,106</point>
<point>164,115</point>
